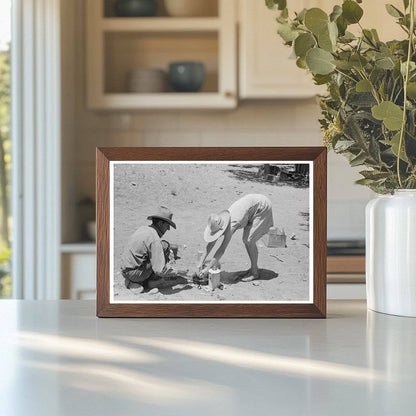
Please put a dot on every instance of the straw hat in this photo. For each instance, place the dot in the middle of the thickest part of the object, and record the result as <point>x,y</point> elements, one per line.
<point>164,214</point>
<point>217,224</point>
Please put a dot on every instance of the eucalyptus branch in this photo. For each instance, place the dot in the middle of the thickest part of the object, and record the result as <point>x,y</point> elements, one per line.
<point>392,90</point>
<point>352,119</point>
<point>345,75</point>
<point>406,80</point>
<point>373,89</point>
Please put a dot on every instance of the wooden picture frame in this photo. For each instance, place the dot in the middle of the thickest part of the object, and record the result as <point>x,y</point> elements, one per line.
<point>314,308</point>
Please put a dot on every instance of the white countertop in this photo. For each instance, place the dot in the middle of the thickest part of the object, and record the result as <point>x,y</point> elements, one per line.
<point>58,359</point>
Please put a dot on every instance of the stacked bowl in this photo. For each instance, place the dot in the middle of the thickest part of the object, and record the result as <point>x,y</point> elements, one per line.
<point>191,8</point>
<point>147,80</point>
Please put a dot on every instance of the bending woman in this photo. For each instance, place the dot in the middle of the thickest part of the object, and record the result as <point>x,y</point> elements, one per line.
<point>253,213</point>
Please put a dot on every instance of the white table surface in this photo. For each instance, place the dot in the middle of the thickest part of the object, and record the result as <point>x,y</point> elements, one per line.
<point>57,358</point>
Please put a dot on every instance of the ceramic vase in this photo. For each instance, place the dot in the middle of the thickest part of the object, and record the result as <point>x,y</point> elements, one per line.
<point>391,253</point>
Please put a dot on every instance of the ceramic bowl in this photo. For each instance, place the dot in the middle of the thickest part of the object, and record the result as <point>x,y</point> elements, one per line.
<point>147,80</point>
<point>136,8</point>
<point>186,76</point>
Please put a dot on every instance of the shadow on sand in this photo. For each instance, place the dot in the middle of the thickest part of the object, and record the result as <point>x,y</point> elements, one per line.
<point>250,174</point>
<point>230,278</point>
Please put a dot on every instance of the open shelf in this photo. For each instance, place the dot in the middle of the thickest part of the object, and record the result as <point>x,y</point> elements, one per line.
<point>116,46</point>
<point>211,9</point>
<point>80,247</point>
<point>127,51</point>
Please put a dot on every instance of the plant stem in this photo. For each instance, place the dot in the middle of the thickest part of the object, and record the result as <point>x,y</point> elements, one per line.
<point>373,89</point>
<point>345,75</point>
<point>406,80</point>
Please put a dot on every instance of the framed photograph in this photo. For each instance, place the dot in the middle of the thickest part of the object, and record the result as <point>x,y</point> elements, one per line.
<point>211,232</point>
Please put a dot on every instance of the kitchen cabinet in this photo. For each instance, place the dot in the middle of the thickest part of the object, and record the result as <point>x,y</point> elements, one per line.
<point>346,279</point>
<point>265,70</point>
<point>78,263</point>
<point>118,45</point>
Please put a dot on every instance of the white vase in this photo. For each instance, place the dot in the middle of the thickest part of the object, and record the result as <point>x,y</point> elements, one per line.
<point>391,253</point>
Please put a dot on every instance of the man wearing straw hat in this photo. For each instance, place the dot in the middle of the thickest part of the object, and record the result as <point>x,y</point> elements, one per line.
<point>253,213</point>
<point>146,255</point>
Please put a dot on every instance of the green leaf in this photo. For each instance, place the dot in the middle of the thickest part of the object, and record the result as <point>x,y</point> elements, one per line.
<point>319,61</point>
<point>406,4</point>
<point>343,145</point>
<point>374,150</point>
<point>358,160</point>
<point>375,35</point>
<point>390,113</point>
<point>354,131</point>
<point>327,40</point>
<point>324,42</point>
<point>316,20</point>
<point>411,90</point>
<point>374,175</point>
<point>301,63</point>
<point>412,67</point>
<point>276,4</point>
<point>303,43</point>
<point>300,17</point>
<point>393,11</point>
<point>358,61</point>
<point>364,181</point>
<point>368,36</point>
<point>286,32</point>
<point>321,79</point>
<point>333,32</point>
<point>343,65</point>
<point>347,37</point>
<point>363,86</point>
<point>394,144</point>
<point>361,99</point>
<point>342,25</point>
<point>385,63</point>
<point>336,12</point>
<point>351,11</point>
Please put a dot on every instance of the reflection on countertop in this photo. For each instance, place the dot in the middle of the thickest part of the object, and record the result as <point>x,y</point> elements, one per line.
<point>66,361</point>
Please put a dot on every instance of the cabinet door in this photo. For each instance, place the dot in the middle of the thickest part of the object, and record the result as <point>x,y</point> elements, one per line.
<point>265,68</point>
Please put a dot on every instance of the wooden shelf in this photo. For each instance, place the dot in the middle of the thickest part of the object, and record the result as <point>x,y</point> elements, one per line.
<point>81,247</point>
<point>163,101</point>
<point>346,264</point>
<point>159,24</point>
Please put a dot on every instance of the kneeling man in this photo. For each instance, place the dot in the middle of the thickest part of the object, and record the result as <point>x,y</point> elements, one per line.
<point>147,255</point>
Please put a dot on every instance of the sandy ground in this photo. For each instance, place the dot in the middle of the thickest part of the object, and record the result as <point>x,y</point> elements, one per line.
<point>194,191</point>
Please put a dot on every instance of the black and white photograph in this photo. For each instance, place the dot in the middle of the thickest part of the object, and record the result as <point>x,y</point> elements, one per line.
<point>220,232</point>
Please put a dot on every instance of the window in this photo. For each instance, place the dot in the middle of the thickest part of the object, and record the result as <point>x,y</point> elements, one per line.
<point>5,147</point>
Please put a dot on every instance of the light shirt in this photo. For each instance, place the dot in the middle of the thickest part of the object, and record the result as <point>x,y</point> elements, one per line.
<point>143,247</point>
<point>246,208</point>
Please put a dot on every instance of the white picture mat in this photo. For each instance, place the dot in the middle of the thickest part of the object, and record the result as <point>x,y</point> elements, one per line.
<point>171,162</point>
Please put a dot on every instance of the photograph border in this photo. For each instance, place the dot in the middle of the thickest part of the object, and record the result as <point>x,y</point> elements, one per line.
<point>213,162</point>
<point>315,155</point>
